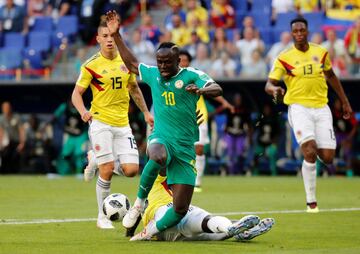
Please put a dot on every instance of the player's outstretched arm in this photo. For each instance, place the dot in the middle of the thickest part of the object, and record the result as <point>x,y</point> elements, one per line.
<point>272,88</point>
<point>336,85</point>
<point>210,89</point>
<point>139,100</point>
<point>113,24</point>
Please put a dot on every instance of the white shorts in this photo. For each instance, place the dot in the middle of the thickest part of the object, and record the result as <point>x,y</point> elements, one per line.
<point>109,142</point>
<point>189,226</point>
<point>203,134</point>
<point>312,124</point>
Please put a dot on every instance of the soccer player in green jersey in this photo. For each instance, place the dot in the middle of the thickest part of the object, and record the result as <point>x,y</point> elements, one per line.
<point>175,92</point>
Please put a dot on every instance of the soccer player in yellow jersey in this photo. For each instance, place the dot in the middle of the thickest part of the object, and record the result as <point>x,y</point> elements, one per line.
<point>198,224</point>
<point>305,67</point>
<point>185,60</point>
<point>110,134</point>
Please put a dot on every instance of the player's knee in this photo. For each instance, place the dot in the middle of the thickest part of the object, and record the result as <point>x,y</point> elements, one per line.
<point>309,151</point>
<point>130,170</point>
<point>181,208</point>
<point>327,159</point>
<point>106,170</point>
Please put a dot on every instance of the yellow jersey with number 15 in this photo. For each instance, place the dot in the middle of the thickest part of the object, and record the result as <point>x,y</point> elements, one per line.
<point>303,74</point>
<point>108,79</point>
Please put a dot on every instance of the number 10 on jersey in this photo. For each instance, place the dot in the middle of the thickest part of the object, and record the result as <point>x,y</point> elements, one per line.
<point>169,98</point>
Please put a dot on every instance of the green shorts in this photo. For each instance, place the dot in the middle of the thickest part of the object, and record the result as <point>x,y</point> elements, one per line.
<point>180,163</point>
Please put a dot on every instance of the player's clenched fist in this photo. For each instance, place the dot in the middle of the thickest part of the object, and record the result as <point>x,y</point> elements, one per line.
<point>86,116</point>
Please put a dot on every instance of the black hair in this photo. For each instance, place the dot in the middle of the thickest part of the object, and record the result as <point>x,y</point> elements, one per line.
<point>170,45</point>
<point>167,45</point>
<point>299,19</point>
<point>186,53</point>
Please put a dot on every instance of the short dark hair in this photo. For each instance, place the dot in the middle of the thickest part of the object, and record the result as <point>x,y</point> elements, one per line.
<point>299,19</point>
<point>169,45</point>
<point>185,53</point>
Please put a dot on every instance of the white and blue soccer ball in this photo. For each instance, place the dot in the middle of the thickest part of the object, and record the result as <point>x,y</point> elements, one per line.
<point>115,206</point>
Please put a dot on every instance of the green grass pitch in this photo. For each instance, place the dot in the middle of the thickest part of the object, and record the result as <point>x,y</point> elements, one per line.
<point>36,198</point>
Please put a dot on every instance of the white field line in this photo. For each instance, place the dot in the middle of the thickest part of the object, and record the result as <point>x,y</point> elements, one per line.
<point>47,221</point>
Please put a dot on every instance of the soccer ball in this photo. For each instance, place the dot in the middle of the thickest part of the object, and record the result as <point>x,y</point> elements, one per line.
<point>115,206</point>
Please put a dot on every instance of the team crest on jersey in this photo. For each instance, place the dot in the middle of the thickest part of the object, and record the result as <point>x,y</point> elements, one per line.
<point>315,58</point>
<point>123,68</point>
<point>298,134</point>
<point>179,84</point>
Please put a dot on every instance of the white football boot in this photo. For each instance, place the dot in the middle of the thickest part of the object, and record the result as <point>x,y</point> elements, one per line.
<point>243,224</point>
<point>264,226</point>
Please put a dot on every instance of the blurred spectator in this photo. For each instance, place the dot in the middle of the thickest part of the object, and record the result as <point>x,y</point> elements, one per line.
<point>276,48</point>
<point>180,34</point>
<point>268,125</point>
<point>352,45</point>
<point>247,45</point>
<point>143,49</point>
<point>238,135</point>
<point>39,151</point>
<point>222,14</point>
<point>17,2</point>
<point>224,67</point>
<point>176,8</point>
<point>201,31</point>
<point>337,53</point>
<point>345,132</point>
<point>165,37</point>
<point>256,68</point>
<point>281,6</point>
<point>13,18</point>
<point>71,159</point>
<point>221,43</point>
<point>37,8</point>
<point>332,42</point>
<point>194,42</point>
<point>12,139</point>
<point>61,8</point>
<point>304,6</point>
<point>195,10</point>
<point>317,38</point>
<point>149,30</point>
<point>202,60</point>
<point>248,21</point>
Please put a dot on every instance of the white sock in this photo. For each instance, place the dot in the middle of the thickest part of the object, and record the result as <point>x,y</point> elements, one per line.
<point>102,191</point>
<point>219,224</point>
<point>200,167</point>
<point>309,176</point>
<point>140,202</point>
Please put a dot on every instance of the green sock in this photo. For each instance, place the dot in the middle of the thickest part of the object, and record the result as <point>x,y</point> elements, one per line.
<point>170,218</point>
<point>148,176</point>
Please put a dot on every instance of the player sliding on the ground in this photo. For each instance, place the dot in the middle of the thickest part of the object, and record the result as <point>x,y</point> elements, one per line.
<point>198,224</point>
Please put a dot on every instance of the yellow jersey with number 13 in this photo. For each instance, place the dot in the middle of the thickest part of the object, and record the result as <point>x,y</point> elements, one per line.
<point>303,74</point>
<point>108,79</point>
